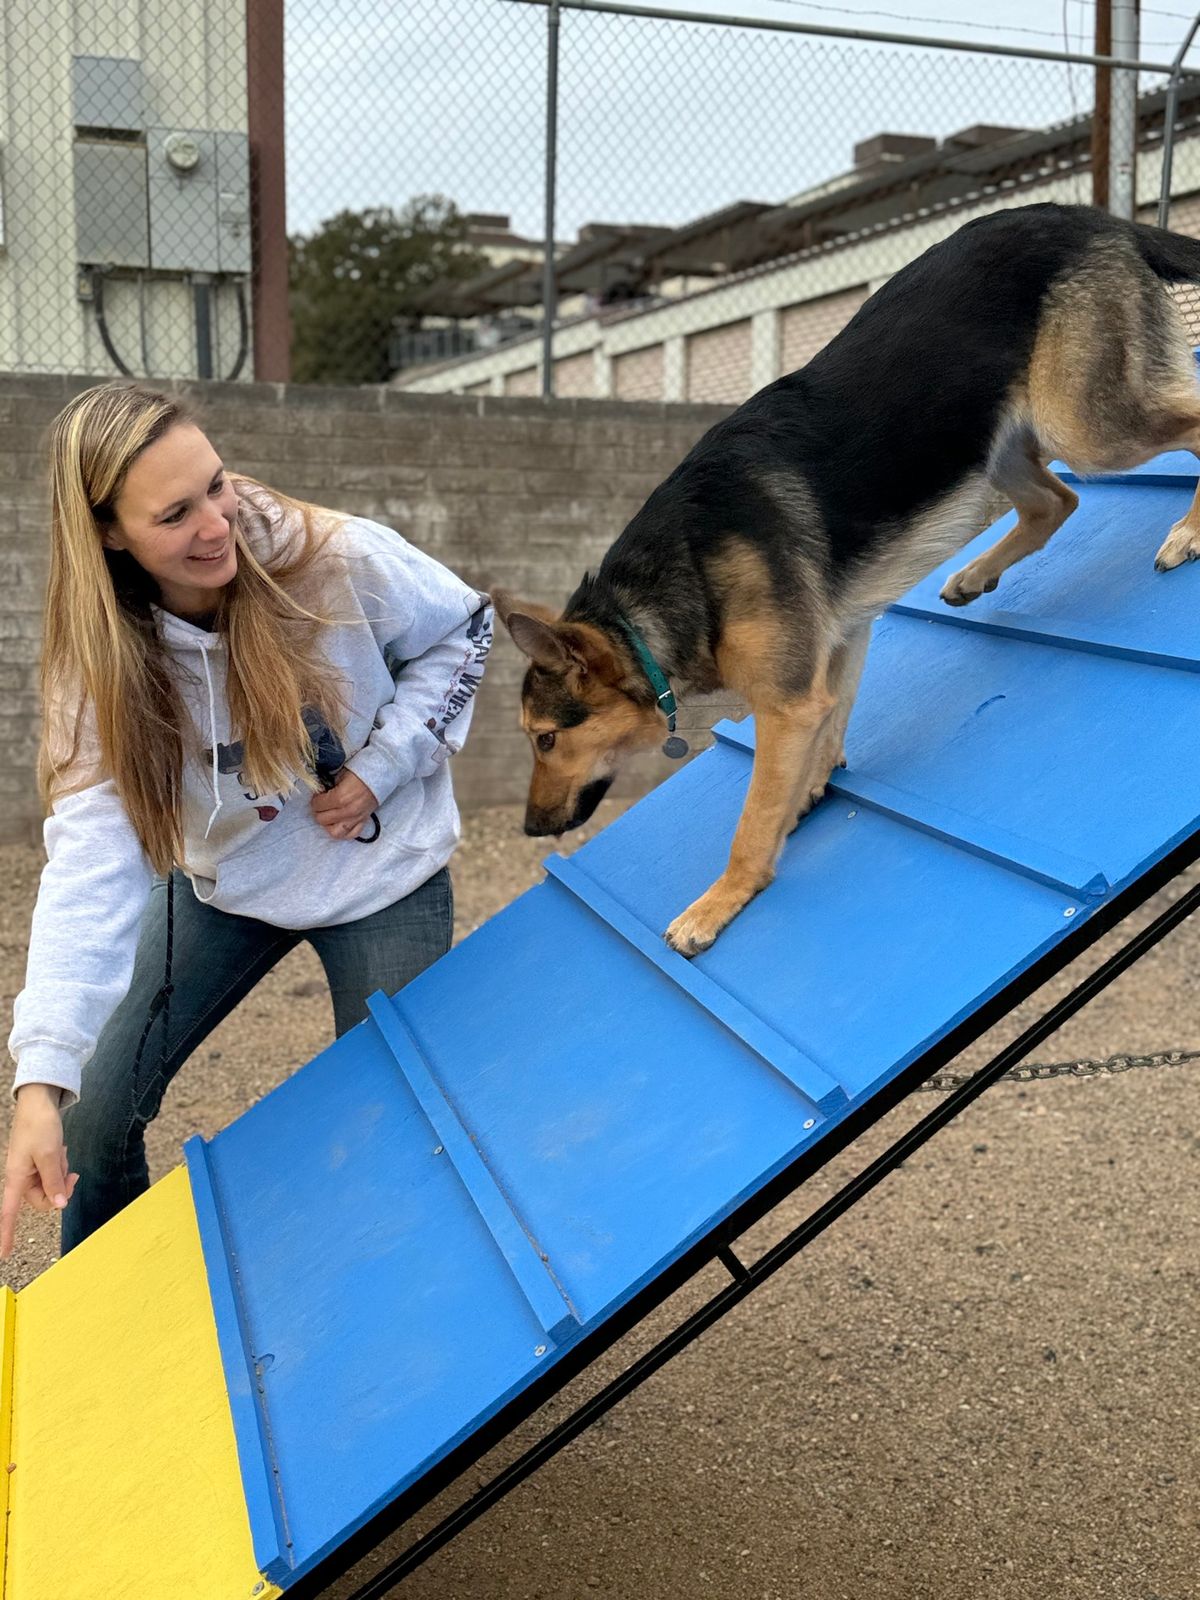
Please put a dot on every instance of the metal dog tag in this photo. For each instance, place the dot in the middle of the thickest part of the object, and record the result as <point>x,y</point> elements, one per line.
<point>675,747</point>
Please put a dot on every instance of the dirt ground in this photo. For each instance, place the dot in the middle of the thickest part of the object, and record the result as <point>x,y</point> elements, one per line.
<point>981,1382</point>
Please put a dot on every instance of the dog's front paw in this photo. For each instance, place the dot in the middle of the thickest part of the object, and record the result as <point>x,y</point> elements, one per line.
<point>1181,544</point>
<point>695,929</point>
<point>693,932</point>
<point>968,585</point>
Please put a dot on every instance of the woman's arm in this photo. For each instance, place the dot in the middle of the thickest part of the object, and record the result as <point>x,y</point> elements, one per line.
<point>435,632</point>
<point>93,891</point>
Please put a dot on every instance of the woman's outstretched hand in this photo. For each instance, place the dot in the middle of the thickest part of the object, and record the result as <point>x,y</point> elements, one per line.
<point>37,1169</point>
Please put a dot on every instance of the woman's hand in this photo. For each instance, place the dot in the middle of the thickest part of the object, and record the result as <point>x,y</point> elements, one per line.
<point>344,810</point>
<point>37,1168</point>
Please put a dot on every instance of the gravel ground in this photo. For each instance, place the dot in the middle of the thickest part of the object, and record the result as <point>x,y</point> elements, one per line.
<point>980,1381</point>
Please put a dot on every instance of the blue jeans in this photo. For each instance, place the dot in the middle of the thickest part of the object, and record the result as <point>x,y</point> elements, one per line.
<point>217,959</point>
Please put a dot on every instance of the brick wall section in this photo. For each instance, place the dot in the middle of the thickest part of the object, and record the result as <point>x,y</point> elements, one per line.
<point>638,374</point>
<point>718,364</point>
<point>526,382</point>
<point>510,493</point>
<point>575,376</point>
<point>807,328</point>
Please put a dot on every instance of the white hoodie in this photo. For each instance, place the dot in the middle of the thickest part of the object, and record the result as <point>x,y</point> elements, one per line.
<point>409,642</point>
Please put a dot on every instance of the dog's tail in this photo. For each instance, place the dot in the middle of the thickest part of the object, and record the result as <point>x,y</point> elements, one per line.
<point>1173,256</point>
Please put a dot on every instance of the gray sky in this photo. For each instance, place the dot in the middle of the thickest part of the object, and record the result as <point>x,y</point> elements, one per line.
<point>658,121</point>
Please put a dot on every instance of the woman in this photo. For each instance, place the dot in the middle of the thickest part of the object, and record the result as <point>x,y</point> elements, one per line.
<point>250,697</point>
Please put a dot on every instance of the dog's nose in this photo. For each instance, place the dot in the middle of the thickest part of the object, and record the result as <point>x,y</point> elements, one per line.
<point>538,826</point>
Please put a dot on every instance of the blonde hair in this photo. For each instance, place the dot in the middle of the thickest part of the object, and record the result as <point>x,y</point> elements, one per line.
<point>106,675</point>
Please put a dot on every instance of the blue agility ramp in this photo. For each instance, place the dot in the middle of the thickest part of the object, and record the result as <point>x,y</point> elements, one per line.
<point>442,1218</point>
<point>432,1227</point>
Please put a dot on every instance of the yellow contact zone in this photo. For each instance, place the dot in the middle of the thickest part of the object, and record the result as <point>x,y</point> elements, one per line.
<point>124,1480</point>
<point>8,1322</point>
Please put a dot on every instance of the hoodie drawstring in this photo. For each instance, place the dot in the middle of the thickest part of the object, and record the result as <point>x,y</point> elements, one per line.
<point>212,733</point>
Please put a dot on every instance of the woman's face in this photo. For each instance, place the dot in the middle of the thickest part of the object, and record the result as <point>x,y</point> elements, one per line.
<point>175,516</point>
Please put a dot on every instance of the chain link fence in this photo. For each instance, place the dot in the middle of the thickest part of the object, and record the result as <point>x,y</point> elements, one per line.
<point>125,239</point>
<point>354,191</point>
<point>728,196</point>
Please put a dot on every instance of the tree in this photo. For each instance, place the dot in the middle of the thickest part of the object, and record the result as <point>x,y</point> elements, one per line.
<point>358,276</point>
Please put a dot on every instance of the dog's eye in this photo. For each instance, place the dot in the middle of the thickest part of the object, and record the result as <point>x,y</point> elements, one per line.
<point>545,741</point>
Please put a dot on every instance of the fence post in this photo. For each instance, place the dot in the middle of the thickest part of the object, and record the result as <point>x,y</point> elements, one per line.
<point>1170,112</point>
<point>1122,147</point>
<point>549,288</point>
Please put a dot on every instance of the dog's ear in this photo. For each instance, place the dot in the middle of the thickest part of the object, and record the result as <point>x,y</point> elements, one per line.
<point>503,603</point>
<point>555,645</point>
<point>591,653</point>
<point>540,641</point>
<point>506,604</point>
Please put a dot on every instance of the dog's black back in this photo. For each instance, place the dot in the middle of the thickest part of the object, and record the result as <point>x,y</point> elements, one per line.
<point>896,411</point>
<point>945,339</point>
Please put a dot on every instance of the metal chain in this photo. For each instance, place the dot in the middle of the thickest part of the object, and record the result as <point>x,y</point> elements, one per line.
<point>1035,1071</point>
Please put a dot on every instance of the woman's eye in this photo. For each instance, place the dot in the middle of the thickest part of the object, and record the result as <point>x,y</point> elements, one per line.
<point>176,516</point>
<point>216,487</point>
<point>545,741</point>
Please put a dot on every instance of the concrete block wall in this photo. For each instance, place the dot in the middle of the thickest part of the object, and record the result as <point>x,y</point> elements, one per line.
<point>506,491</point>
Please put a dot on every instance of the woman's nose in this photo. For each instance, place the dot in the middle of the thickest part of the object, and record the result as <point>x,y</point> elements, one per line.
<point>215,526</point>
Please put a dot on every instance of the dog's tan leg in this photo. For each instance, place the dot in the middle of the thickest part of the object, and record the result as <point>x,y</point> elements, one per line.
<point>829,744</point>
<point>785,735</point>
<point>845,675</point>
<point>1183,542</point>
<point>1043,503</point>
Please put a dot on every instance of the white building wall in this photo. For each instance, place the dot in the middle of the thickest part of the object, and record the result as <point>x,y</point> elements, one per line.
<point>710,333</point>
<point>193,54</point>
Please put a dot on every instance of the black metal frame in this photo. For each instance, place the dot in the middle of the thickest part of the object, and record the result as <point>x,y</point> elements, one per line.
<point>717,1245</point>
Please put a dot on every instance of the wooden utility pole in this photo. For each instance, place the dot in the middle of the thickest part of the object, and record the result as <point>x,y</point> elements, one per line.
<point>1100,111</point>
<point>268,207</point>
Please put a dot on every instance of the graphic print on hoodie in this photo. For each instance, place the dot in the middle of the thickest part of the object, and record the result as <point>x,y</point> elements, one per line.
<point>328,759</point>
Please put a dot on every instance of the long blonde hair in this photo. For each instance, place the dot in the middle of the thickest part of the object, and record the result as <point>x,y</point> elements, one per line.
<point>106,675</point>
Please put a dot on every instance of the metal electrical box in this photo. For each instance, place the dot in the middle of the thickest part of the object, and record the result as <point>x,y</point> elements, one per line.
<point>108,92</point>
<point>199,187</point>
<point>183,199</point>
<point>110,204</point>
<point>233,201</point>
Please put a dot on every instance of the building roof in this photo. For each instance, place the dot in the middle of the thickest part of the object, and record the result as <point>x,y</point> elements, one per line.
<point>888,186</point>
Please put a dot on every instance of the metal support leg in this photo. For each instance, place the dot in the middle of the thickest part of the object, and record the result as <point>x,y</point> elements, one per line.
<point>736,1268</point>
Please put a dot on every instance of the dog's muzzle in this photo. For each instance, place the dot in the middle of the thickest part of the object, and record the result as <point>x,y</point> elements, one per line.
<point>540,824</point>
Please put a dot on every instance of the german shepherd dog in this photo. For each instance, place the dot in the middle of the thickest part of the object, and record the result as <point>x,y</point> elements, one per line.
<point>1037,333</point>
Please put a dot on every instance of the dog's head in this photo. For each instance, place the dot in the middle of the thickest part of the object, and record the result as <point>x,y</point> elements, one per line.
<point>583,707</point>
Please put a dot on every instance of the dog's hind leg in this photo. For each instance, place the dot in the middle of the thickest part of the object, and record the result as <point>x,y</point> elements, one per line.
<point>1043,503</point>
<point>785,733</point>
<point>1183,542</point>
<point>829,745</point>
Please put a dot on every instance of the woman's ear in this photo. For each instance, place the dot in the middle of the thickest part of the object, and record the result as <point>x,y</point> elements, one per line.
<point>111,537</point>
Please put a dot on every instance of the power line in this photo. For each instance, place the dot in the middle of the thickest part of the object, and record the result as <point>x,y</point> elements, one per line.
<point>956,22</point>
